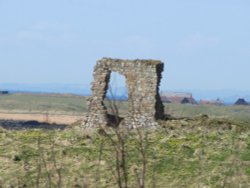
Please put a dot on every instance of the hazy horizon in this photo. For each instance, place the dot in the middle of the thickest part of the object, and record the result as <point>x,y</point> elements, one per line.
<point>228,96</point>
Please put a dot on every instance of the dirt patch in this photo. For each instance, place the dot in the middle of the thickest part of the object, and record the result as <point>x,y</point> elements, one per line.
<point>56,119</point>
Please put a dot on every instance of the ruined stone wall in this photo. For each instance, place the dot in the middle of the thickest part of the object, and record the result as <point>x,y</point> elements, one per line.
<point>142,80</point>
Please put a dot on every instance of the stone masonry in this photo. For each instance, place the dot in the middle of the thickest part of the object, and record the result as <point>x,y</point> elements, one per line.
<point>142,80</point>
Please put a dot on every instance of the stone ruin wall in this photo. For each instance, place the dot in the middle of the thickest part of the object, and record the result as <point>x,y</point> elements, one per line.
<point>142,80</point>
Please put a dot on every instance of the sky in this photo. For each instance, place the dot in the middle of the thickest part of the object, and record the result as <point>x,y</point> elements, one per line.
<point>205,44</point>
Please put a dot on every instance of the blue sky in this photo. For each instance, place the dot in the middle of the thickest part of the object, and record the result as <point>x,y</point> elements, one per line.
<point>205,44</point>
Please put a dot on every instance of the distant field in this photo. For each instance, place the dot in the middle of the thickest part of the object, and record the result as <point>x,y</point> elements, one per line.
<point>77,106</point>
<point>43,103</point>
<point>229,112</point>
<point>60,109</point>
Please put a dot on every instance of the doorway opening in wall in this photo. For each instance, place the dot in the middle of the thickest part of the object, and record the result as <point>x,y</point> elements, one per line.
<point>116,98</point>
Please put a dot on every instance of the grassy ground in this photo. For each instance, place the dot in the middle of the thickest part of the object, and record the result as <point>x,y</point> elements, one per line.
<point>197,151</point>
<point>200,152</point>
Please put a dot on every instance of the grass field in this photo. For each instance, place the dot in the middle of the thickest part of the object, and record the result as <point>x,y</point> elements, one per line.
<point>43,103</point>
<point>189,150</point>
<point>231,112</point>
<point>202,152</point>
<point>77,105</point>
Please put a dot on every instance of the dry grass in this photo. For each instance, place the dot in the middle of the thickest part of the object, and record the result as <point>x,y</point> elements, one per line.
<point>185,152</point>
<point>200,152</point>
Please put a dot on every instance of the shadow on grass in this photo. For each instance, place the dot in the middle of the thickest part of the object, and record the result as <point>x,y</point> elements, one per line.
<point>22,125</point>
